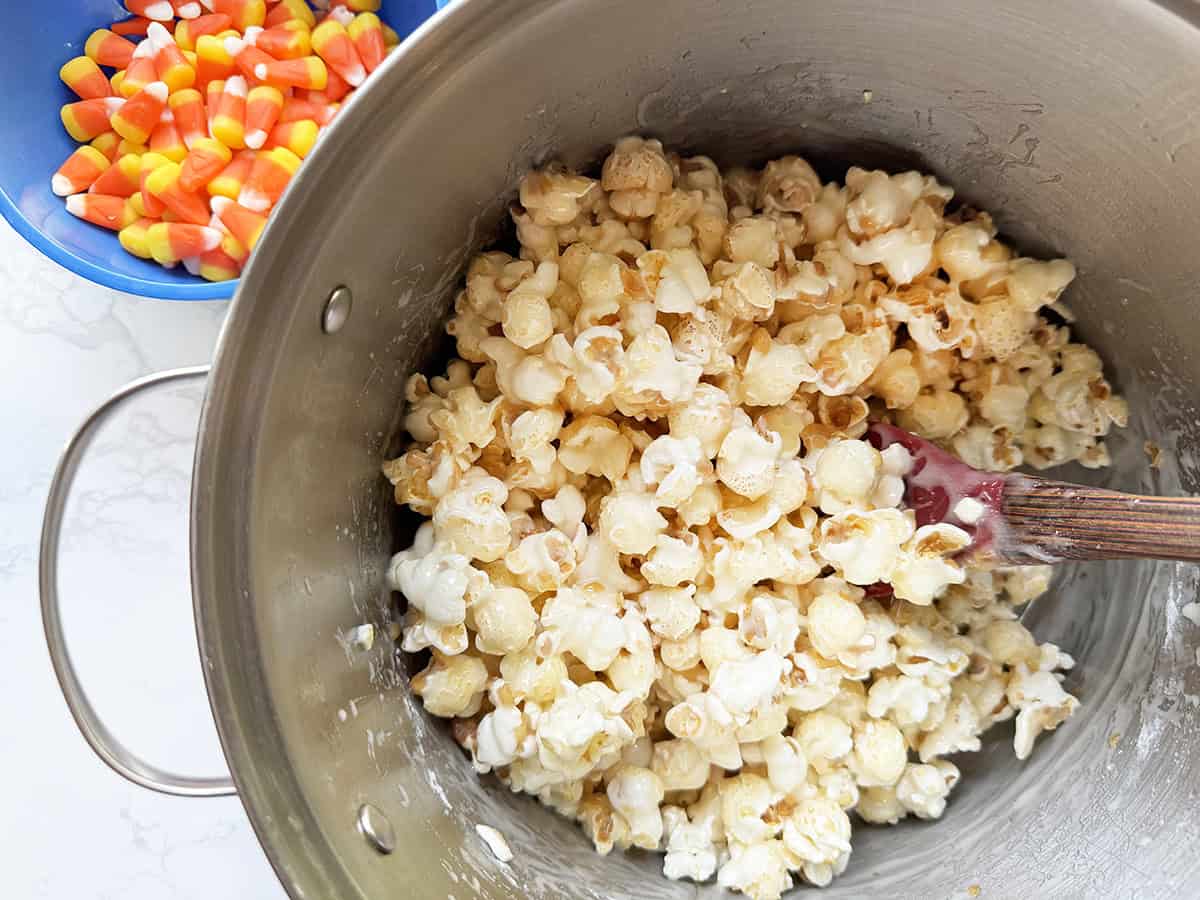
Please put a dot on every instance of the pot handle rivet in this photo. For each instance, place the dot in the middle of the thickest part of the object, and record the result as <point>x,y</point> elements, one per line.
<point>376,828</point>
<point>337,310</point>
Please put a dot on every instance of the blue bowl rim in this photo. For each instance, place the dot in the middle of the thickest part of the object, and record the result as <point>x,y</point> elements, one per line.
<point>183,290</point>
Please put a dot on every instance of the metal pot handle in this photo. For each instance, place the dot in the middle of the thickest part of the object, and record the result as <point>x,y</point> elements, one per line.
<point>106,745</point>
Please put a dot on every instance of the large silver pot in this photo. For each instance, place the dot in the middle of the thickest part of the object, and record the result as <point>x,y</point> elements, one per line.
<point>1075,121</point>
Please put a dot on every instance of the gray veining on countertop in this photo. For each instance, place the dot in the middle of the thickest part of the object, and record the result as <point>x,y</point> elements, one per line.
<point>70,828</point>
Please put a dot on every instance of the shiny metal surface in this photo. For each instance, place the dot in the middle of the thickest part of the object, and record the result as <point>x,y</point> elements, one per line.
<point>107,745</point>
<point>1075,122</point>
<point>337,310</point>
<point>376,828</point>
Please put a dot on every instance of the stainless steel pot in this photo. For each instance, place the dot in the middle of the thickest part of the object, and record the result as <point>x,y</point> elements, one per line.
<point>1076,121</point>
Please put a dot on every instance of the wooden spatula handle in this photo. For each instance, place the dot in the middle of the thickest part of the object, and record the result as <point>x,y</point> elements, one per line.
<point>1051,520</point>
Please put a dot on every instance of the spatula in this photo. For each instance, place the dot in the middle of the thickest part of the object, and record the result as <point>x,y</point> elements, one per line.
<point>1022,519</point>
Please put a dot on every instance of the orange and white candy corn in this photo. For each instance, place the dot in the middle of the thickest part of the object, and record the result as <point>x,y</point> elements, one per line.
<point>212,100</point>
<point>140,113</point>
<point>217,265</point>
<point>308,72</point>
<point>233,176</point>
<point>108,49</point>
<point>187,108</point>
<point>245,55</point>
<point>140,71</point>
<point>297,108</point>
<point>336,87</point>
<point>298,137</point>
<point>84,77</point>
<point>332,43</point>
<point>79,171</point>
<point>165,139</point>
<point>244,224</point>
<point>149,204</point>
<point>135,26</point>
<point>157,10</point>
<point>133,237</point>
<point>263,106</point>
<point>169,242</point>
<point>291,40</point>
<point>205,161</point>
<point>107,144</point>
<point>212,62</point>
<point>366,31</point>
<point>99,209</point>
<point>170,65</point>
<point>290,11</point>
<point>187,9</point>
<point>188,31</point>
<point>130,147</point>
<point>163,184</point>
<point>229,119</point>
<point>122,177</point>
<point>85,119</point>
<point>269,176</point>
<point>243,12</point>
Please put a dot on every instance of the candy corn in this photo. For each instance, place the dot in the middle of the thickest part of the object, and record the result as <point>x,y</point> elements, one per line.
<point>212,62</point>
<point>204,162</point>
<point>332,43</point>
<point>187,9</point>
<point>130,147</point>
<point>84,77</point>
<point>163,184</point>
<point>366,31</point>
<point>140,72</point>
<point>188,31</point>
<point>217,265</point>
<point>187,108</point>
<point>243,12</point>
<point>336,87</point>
<point>136,26</point>
<point>245,55</point>
<point>263,106</point>
<point>79,171</point>
<point>233,176</point>
<point>170,65</point>
<point>298,137</point>
<point>229,120</point>
<point>85,119</point>
<point>307,72</point>
<point>108,49</point>
<point>99,209</point>
<point>291,40</point>
<point>244,224</point>
<point>122,178</point>
<point>165,139</point>
<point>107,144</point>
<point>209,110</point>
<point>169,242</point>
<point>140,113</point>
<point>133,237</point>
<point>149,204</point>
<point>290,11</point>
<point>158,10</point>
<point>270,174</point>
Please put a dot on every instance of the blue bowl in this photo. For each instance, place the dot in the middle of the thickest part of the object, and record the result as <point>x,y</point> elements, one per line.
<point>43,36</point>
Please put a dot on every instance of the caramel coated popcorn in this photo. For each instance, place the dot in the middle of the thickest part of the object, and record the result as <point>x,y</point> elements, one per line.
<point>667,587</point>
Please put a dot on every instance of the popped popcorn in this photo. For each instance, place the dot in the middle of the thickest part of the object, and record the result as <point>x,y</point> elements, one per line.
<point>667,586</point>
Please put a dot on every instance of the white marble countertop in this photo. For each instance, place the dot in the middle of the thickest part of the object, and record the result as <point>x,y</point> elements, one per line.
<point>70,827</point>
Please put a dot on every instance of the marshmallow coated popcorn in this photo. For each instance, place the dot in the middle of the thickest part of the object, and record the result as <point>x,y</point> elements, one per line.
<point>664,584</point>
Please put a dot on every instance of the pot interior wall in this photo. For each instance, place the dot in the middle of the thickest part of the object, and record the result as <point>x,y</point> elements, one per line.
<point>1073,121</point>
